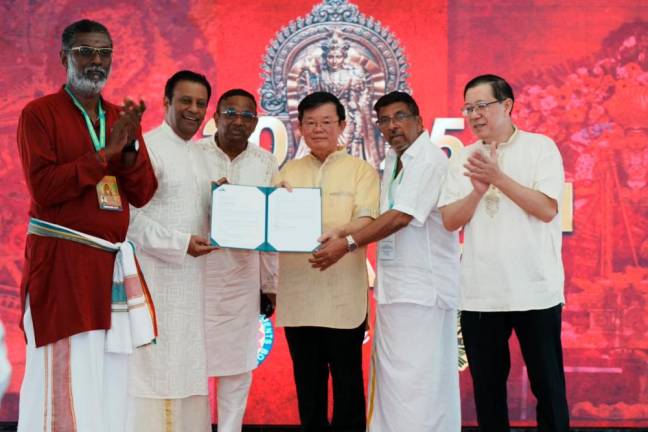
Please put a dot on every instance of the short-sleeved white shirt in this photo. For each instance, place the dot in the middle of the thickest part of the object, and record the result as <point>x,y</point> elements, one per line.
<point>511,260</point>
<point>425,265</point>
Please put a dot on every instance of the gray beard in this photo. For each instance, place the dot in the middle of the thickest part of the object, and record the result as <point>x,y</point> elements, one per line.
<point>80,82</point>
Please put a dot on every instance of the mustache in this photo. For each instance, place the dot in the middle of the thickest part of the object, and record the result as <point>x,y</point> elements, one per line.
<point>92,69</point>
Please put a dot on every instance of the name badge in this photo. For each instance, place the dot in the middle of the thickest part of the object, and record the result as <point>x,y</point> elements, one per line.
<point>387,248</point>
<point>108,194</point>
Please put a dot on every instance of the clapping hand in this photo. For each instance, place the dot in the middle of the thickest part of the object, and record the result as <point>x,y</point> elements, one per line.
<point>125,128</point>
<point>483,169</point>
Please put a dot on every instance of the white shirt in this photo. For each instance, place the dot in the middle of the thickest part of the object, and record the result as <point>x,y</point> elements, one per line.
<point>175,366</point>
<point>511,260</point>
<point>234,278</point>
<point>425,264</point>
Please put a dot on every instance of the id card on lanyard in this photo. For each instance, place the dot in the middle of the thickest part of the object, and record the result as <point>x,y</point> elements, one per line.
<point>387,246</point>
<point>107,190</point>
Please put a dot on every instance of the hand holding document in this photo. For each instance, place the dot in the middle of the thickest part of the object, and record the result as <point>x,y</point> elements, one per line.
<point>266,218</point>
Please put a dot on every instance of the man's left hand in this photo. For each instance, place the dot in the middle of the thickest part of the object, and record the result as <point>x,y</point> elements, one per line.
<point>329,253</point>
<point>484,168</point>
<point>330,235</point>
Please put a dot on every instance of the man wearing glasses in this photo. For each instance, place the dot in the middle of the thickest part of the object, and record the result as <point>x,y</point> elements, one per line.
<point>324,313</point>
<point>169,378</point>
<point>73,144</point>
<point>414,382</point>
<point>504,190</point>
<point>234,278</point>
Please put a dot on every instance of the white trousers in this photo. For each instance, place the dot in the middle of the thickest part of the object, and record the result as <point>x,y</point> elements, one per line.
<point>190,414</point>
<point>72,385</point>
<point>414,378</point>
<point>232,393</point>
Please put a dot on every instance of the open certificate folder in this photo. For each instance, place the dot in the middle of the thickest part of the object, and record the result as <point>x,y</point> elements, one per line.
<point>266,219</point>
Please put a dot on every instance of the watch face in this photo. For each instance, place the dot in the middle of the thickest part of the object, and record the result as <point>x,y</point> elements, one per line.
<point>351,244</point>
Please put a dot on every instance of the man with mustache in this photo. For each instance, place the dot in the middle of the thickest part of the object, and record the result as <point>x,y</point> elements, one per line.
<point>71,144</point>
<point>414,381</point>
<point>169,379</point>
<point>234,278</point>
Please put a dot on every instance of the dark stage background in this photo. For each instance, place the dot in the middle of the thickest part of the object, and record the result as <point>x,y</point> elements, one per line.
<point>580,70</point>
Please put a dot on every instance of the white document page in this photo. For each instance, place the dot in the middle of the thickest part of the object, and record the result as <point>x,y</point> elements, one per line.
<point>238,216</point>
<point>295,219</point>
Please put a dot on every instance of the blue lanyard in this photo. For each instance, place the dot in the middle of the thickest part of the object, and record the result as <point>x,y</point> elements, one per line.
<point>100,142</point>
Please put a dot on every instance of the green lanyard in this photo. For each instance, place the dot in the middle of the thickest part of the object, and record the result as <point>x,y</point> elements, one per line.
<point>390,198</point>
<point>100,142</point>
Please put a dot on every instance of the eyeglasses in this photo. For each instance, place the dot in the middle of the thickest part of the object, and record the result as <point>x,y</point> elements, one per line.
<point>231,114</point>
<point>477,108</point>
<point>398,118</point>
<point>87,52</point>
<point>324,124</point>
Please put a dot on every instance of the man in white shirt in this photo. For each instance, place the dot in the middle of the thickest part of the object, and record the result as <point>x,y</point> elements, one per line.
<point>168,379</point>
<point>414,384</point>
<point>504,190</point>
<point>234,279</point>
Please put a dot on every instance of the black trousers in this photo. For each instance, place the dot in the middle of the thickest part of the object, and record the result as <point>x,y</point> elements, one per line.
<point>315,351</point>
<point>486,336</point>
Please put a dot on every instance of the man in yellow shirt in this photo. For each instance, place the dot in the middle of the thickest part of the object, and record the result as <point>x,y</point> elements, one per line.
<point>324,313</point>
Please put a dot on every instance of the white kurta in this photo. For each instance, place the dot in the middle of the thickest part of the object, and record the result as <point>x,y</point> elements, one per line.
<point>175,366</point>
<point>234,278</point>
<point>511,261</point>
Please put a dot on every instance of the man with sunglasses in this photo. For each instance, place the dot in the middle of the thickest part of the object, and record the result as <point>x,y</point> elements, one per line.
<point>75,146</point>
<point>234,279</point>
<point>504,190</point>
<point>414,380</point>
<point>169,379</point>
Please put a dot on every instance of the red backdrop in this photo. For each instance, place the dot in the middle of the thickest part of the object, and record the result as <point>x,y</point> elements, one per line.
<point>580,72</point>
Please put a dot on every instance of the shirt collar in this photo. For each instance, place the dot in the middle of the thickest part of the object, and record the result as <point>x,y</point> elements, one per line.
<point>510,141</point>
<point>414,149</point>
<point>224,155</point>
<point>69,98</point>
<point>341,151</point>
<point>168,130</point>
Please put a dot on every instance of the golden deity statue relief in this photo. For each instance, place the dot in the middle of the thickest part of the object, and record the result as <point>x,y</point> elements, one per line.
<point>340,67</point>
<point>336,49</point>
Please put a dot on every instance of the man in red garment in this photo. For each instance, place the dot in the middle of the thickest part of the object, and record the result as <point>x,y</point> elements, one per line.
<point>72,144</point>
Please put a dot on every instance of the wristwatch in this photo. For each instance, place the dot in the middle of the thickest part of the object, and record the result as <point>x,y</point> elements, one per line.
<point>351,244</point>
<point>132,147</point>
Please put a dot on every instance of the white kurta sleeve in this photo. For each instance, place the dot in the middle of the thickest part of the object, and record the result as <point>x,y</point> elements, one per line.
<point>269,272</point>
<point>550,175</point>
<point>456,185</point>
<point>156,240</point>
<point>148,235</point>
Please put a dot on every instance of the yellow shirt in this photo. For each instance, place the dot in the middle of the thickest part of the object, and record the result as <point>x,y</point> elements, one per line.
<point>336,297</point>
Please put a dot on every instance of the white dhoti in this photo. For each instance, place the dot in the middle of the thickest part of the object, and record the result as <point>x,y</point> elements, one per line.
<point>414,378</point>
<point>190,414</point>
<point>72,384</point>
